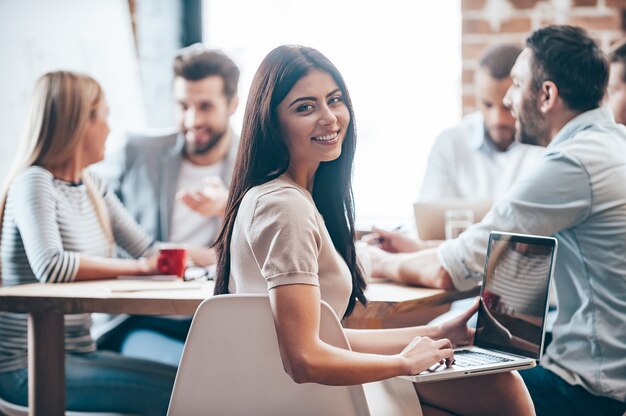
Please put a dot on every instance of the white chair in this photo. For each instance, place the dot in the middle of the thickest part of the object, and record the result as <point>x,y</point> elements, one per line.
<point>231,365</point>
<point>10,409</point>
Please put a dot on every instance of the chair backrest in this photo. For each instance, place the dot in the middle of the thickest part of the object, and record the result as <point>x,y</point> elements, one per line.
<point>231,365</point>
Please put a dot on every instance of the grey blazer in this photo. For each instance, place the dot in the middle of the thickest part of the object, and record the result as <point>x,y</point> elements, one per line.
<point>144,174</point>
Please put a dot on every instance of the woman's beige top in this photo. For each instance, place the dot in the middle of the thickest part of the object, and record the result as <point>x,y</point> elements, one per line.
<point>279,238</point>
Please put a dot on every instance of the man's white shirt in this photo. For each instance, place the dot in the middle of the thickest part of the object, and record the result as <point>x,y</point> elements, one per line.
<point>463,163</point>
<point>188,226</point>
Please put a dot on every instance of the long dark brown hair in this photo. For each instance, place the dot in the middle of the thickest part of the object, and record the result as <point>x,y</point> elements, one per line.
<point>263,156</point>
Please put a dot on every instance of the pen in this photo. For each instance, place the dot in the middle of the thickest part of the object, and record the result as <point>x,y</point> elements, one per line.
<point>434,368</point>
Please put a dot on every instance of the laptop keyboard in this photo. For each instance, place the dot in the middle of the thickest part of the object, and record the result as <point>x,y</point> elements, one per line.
<point>465,358</point>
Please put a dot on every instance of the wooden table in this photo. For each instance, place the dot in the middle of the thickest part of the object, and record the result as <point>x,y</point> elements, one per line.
<point>395,305</point>
<point>46,304</point>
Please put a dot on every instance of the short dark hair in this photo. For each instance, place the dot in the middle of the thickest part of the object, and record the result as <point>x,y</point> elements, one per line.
<point>617,54</point>
<point>196,62</point>
<point>499,59</point>
<point>569,57</point>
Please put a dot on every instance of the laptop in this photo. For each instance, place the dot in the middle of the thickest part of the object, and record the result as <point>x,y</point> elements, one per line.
<point>513,309</point>
<point>430,217</point>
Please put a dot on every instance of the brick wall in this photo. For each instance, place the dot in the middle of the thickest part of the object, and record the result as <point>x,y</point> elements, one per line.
<point>486,22</point>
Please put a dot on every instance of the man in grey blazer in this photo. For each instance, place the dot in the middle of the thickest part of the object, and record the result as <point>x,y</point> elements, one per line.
<point>175,185</point>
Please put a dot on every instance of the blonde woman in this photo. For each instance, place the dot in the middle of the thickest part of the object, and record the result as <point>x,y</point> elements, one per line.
<point>59,224</point>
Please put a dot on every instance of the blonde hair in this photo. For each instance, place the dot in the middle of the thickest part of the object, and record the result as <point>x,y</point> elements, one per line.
<point>61,105</point>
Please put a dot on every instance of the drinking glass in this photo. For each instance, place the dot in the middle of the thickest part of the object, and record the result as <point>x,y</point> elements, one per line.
<point>457,221</point>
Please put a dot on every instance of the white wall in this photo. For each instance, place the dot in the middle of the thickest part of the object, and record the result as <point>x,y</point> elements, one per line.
<point>92,36</point>
<point>401,60</point>
<point>159,34</point>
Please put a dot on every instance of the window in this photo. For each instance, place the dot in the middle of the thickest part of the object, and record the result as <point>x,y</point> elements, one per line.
<point>401,61</point>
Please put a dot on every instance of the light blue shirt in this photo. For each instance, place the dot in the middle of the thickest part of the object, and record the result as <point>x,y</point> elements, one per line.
<point>577,193</point>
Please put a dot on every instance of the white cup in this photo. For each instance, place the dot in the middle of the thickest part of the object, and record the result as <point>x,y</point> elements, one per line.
<point>457,221</point>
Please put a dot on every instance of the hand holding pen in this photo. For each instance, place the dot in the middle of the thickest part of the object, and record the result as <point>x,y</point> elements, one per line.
<point>391,241</point>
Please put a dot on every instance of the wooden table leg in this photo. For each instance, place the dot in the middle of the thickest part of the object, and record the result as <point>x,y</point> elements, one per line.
<point>46,364</point>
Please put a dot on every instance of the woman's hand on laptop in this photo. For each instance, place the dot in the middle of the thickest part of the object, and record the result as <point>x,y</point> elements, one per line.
<point>423,353</point>
<point>456,329</point>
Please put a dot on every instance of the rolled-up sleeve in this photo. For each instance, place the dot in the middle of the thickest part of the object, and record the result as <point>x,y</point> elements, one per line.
<point>555,196</point>
<point>285,239</point>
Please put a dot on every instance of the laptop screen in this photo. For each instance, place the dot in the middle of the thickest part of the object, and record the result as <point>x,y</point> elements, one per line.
<point>514,294</point>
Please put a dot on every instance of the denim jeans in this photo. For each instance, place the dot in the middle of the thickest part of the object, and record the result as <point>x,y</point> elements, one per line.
<point>103,381</point>
<point>553,396</point>
<point>155,338</point>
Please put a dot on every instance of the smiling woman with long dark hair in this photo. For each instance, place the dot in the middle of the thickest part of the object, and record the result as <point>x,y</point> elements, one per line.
<point>264,156</point>
<point>289,232</point>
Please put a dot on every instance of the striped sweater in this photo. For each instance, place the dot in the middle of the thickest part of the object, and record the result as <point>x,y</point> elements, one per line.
<point>47,224</point>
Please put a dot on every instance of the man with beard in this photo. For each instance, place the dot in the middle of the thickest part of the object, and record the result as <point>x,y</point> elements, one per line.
<point>479,158</point>
<point>576,193</point>
<point>175,185</point>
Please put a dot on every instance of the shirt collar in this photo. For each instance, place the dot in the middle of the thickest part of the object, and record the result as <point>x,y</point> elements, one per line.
<point>580,122</point>
<point>478,137</point>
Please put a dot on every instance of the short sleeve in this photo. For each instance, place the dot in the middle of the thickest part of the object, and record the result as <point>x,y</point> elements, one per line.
<point>284,238</point>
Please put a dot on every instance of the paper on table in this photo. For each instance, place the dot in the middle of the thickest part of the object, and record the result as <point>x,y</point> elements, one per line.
<point>156,277</point>
<point>148,286</point>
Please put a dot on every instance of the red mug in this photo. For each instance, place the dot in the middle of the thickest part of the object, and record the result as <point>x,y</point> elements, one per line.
<point>172,260</point>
